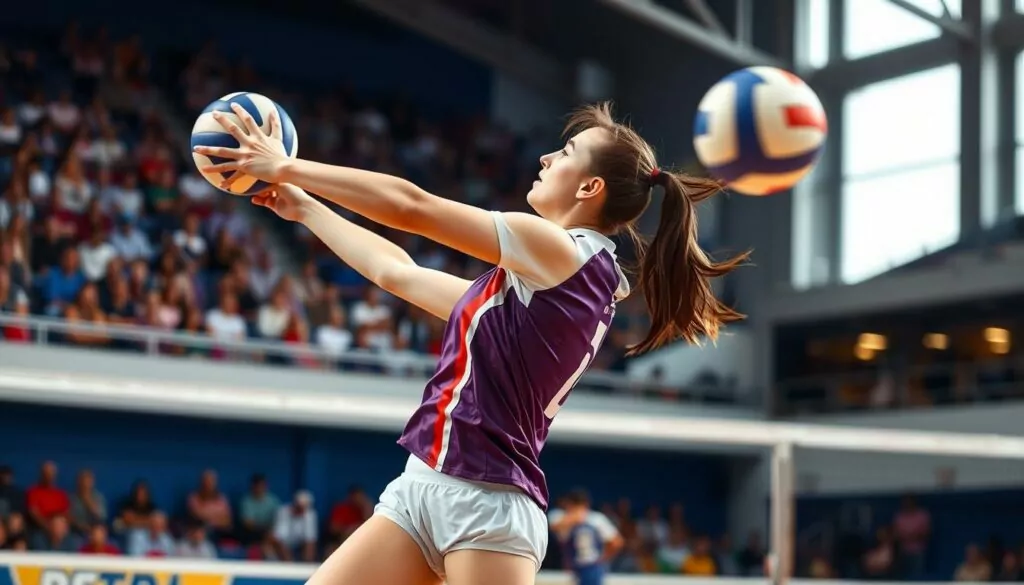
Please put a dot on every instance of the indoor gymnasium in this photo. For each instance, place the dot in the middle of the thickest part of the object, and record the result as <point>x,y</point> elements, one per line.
<point>635,292</point>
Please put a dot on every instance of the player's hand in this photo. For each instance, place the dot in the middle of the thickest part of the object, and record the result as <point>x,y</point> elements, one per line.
<point>257,154</point>
<point>287,201</point>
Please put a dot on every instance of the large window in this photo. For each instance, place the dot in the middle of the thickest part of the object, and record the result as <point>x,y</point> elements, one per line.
<point>813,33</point>
<point>873,26</point>
<point>901,184</point>
<point>1019,199</point>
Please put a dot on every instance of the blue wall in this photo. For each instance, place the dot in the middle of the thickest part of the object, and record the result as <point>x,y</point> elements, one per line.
<point>360,49</point>
<point>171,452</point>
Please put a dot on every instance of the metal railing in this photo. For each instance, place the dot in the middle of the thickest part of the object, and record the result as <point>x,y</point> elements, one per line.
<point>160,342</point>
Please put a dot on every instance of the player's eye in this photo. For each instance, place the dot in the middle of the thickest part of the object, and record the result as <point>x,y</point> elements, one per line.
<point>564,152</point>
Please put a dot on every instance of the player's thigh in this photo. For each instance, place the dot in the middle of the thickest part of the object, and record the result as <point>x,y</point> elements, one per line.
<point>378,553</point>
<point>483,567</point>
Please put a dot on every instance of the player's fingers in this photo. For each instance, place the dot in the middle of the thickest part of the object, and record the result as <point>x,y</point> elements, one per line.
<point>247,120</point>
<point>275,125</point>
<point>226,184</point>
<point>218,151</point>
<point>221,168</point>
<point>233,128</point>
<point>260,200</point>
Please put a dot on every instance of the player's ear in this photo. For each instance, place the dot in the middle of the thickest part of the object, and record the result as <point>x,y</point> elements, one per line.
<point>590,188</point>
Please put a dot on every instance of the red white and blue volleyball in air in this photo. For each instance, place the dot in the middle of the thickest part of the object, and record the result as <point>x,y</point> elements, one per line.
<point>208,132</point>
<point>760,130</point>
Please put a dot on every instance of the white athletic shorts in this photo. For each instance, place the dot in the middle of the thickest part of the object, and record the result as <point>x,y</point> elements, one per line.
<point>445,514</point>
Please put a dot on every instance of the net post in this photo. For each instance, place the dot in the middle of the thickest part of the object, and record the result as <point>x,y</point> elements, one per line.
<point>783,505</point>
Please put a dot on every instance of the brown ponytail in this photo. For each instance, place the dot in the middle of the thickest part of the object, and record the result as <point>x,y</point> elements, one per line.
<point>675,273</point>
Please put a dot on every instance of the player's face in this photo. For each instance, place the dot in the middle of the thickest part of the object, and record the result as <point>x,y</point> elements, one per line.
<point>565,178</point>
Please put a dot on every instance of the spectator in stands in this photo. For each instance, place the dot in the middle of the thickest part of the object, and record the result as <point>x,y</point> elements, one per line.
<point>653,529</point>
<point>726,558</point>
<point>129,241</point>
<point>258,510</point>
<point>819,567</point>
<point>880,560</point>
<point>88,505</point>
<point>125,200</point>
<point>913,528</point>
<point>224,323</point>
<point>4,540</point>
<point>45,500</point>
<point>10,293</point>
<point>264,277</point>
<point>95,254</point>
<point>195,545</point>
<point>189,239</point>
<point>64,113</point>
<point>12,500</point>
<point>86,309</point>
<point>48,248</point>
<point>74,192</point>
<point>1009,569</point>
<point>16,528</point>
<point>152,541</point>
<point>975,566</point>
<point>137,508</point>
<point>333,337</point>
<point>309,288</point>
<point>15,333</point>
<point>701,563</point>
<point>372,320</point>
<point>98,543</point>
<point>10,130</point>
<point>198,191</point>
<point>274,315</point>
<point>61,287</point>
<point>240,277</point>
<point>15,203</point>
<point>210,506</point>
<point>56,537</point>
<point>674,552</point>
<point>296,528</point>
<point>350,514</point>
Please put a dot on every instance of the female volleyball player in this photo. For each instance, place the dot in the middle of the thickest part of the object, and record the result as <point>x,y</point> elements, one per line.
<point>470,505</point>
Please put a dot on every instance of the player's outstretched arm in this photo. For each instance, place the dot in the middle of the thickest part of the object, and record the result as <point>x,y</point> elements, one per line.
<point>543,250</point>
<point>379,260</point>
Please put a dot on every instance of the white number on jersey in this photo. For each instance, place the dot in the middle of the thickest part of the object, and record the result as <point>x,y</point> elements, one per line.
<point>586,547</point>
<point>556,403</point>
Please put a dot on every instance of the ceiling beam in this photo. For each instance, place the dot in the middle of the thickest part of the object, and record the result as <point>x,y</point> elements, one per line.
<point>946,22</point>
<point>672,23</point>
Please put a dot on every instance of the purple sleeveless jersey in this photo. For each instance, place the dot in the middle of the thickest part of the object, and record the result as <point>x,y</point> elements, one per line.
<point>510,355</point>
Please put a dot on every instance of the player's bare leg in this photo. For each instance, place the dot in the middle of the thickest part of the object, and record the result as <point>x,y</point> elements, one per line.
<point>378,553</point>
<point>484,567</point>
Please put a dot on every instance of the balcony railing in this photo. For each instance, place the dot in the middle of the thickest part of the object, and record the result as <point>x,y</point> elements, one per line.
<point>161,342</point>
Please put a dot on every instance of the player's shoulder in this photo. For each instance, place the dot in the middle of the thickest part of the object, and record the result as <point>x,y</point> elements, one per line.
<point>596,517</point>
<point>598,250</point>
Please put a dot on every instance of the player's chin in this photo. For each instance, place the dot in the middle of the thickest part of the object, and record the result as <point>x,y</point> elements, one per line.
<point>535,194</point>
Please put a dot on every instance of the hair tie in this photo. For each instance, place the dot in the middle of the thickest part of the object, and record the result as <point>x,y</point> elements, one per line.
<point>658,177</point>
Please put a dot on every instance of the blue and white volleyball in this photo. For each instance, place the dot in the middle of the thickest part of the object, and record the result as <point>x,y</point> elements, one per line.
<point>760,130</point>
<point>208,132</point>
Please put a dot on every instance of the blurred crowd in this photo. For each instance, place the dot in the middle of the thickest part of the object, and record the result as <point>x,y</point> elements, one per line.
<point>103,221</point>
<point>258,526</point>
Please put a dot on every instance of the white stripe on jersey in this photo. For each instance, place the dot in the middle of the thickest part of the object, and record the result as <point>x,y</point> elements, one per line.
<point>446,434</point>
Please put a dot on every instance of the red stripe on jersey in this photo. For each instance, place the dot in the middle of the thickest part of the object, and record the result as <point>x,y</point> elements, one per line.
<point>494,286</point>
